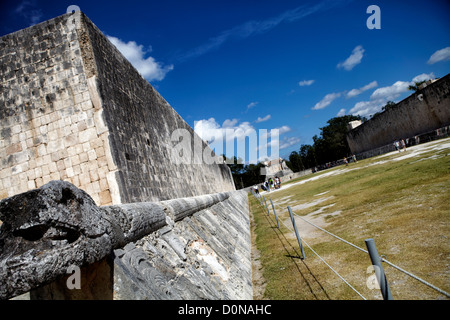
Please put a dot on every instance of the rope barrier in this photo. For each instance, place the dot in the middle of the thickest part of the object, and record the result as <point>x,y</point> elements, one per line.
<point>331,268</point>
<point>416,277</point>
<point>363,250</point>
<point>342,278</point>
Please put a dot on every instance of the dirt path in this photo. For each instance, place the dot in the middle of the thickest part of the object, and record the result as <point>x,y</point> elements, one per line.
<point>258,281</point>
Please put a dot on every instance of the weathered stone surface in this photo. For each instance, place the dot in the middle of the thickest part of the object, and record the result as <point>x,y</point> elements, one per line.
<point>205,254</point>
<point>73,108</point>
<point>45,231</point>
<point>424,111</point>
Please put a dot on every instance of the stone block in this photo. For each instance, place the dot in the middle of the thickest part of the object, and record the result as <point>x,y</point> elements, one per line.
<point>21,157</point>
<point>54,146</point>
<point>92,155</point>
<point>31,184</point>
<point>71,140</point>
<point>83,157</point>
<point>85,179</point>
<point>41,150</point>
<point>105,197</point>
<point>70,173</point>
<point>87,135</point>
<point>94,176</point>
<point>14,148</point>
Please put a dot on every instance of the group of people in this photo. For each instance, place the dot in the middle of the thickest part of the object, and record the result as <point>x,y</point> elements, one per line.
<point>399,145</point>
<point>353,158</point>
<point>271,183</point>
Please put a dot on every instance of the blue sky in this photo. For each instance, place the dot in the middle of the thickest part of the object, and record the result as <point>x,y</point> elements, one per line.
<point>250,65</point>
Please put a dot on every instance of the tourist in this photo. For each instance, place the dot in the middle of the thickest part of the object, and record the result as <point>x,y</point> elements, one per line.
<point>396,144</point>
<point>403,145</point>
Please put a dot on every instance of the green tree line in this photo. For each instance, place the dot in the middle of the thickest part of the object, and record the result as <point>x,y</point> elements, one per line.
<point>330,146</point>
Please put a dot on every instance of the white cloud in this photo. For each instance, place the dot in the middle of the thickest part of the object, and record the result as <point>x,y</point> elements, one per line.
<point>326,100</point>
<point>423,77</point>
<point>440,55</point>
<point>209,130</point>
<point>252,104</point>
<point>231,130</point>
<point>288,142</point>
<point>284,129</point>
<point>306,83</point>
<point>354,59</point>
<point>381,96</point>
<point>355,92</point>
<point>367,108</point>
<point>229,123</point>
<point>28,10</point>
<point>392,92</point>
<point>147,67</point>
<point>263,119</point>
<point>341,112</point>
<point>252,28</point>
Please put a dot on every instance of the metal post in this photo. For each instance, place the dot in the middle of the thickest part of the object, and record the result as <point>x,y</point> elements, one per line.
<point>258,197</point>
<point>379,272</point>
<point>296,233</point>
<point>267,208</point>
<point>274,212</point>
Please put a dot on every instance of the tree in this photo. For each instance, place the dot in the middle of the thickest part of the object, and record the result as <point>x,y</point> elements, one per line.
<point>388,105</point>
<point>332,144</point>
<point>295,162</point>
<point>416,85</point>
<point>245,175</point>
<point>308,155</point>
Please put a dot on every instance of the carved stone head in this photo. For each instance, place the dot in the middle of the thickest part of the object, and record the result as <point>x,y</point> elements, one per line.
<point>45,231</point>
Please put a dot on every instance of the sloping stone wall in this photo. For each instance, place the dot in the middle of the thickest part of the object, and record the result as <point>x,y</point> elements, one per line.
<point>140,124</point>
<point>73,108</point>
<point>49,127</point>
<point>424,111</point>
<point>203,256</point>
<point>188,248</point>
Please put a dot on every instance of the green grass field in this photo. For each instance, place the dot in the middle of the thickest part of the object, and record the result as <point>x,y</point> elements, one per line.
<point>401,200</point>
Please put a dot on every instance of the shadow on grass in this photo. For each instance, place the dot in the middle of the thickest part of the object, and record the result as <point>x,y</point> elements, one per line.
<point>304,271</point>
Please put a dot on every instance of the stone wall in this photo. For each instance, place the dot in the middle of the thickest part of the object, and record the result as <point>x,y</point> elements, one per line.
<point>206,255</point>
<point>73,108</point>
<point>188,248</point>
<point>50,128</point>
<point>140,124</point>
<point>424,111</point>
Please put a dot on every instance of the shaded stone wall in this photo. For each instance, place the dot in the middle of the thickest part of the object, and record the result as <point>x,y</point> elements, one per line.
<point>49,126</point>
<point>188,248</point>
<point>424,111</point>
<point>73,108</point>
<point>205,255</point>
<point>140,124</point>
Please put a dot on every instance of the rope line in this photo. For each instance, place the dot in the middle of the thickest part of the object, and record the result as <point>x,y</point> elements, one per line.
<point>333,235</point>
<point>342,278</point>
<point>363,250</point>
<point>416,277</point>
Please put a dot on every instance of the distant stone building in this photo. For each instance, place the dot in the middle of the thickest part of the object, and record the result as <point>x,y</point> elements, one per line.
<point>425,112</point>
<point>275,168</point>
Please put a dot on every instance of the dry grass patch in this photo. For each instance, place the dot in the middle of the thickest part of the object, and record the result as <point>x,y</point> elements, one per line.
<point>399,200</point>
